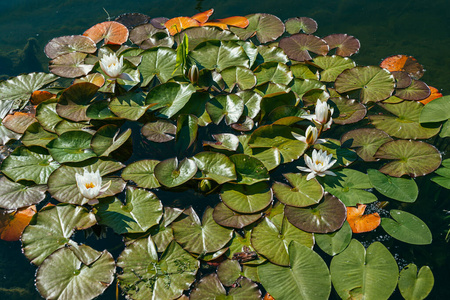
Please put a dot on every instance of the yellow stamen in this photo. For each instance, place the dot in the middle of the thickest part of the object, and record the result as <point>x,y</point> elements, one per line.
<point>89,185</point>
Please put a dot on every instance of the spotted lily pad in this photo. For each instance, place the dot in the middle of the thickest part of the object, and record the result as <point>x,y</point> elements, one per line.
<point>246,199</point>
<point>360,273</point>
<point>142,173</point>
<point>266,27</point>
<point>63,274</point>
<point>61,221</point>
<point>298,46</point>
<point>14,195</point>
<point>203,236</point>
<point>302,193</point>
<point>71,146</point>
<point>375,83</point>
<point>400,189</point>
<point>366,141</point>
<point>141,211</point>
<point>407,228</point>
<point>145,276</point>
<point>34,164</point>
<point>327,216</point>
<point>172,173</point>
<point>410,157</point>
<point>350,111</point>
<point>405,124</point>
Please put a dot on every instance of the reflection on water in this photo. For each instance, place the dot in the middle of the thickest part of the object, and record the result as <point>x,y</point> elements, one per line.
<point>384,27</point>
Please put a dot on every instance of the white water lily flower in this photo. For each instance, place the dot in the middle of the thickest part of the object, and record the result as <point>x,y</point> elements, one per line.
<point>318,165</point>
<point>112,66</point>
<point>322,114</point>
<point>90,185</point>
<point>311,136</point>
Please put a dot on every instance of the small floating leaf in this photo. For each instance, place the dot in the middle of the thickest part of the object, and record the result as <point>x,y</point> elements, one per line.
<point>350,111</point>
<point>334,242</point>
<point>407,228</point>
<point>229,107</point>
<point>178,24</point>
<point>70,65</point>
<point>107,139</point>
<point>332,66</point>
<point>160,131</point>
<point>436,111</point>
<point>171,173</point>
<point>303,193</point>
<point>68,44</point>
<point>142,173</point>
<point>295,25</point>
<point>400,189</point>
<point>413,285</point>
<point>345,45</point>
<point>169,98</point>
<point>360,222</point>
<point>215,166</point>
<point>246,199</point>
<point>298,46</point>
<point>16,195</point>
<point>210,287</point>
<point>12,224</point>
<point>71,146</point>
<point>403,63</point>
<point>266,27</point>
<point>19,121</point>
<point>229,218</point>
<point>417,90</point>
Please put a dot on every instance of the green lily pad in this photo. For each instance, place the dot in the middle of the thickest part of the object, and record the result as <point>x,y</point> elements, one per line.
<point>171,173</point>
<point>417,90</point>
<point>405,124</point>
<point>17,91</point>
<point>286,115</point>
<point>269,88</point>
<point>302,193</point>
<point>436,111</point>
<point>163,234</point>
<point>63,187</point>
<point>272,239</point>
<point>187,128</point>
<point>303,71</point>
<point>266,27</point>
<point>366,141</point>
<point>99,110</point>
<point>241,249</point>
<point>141,211</point>
<point>345,45</point>
<point>410,157</point>
<point>307,276</point>
<point>238,76</point>
<point>344,156</point>
<point>225,141</point>
<point>74,101</point>
<point>334,242</point>
<point>271,54</point>
<point>169,98</point>
<point>364,274</point>
<point>249,170</point>
<point>350,111</point>
<point>332,66</point>
<point>219,55</point>
<point>47,115</point>
<point>375,83</point>
<point>215,166</point>
<point>62,275</point>
<point>36,136</point>
<point>229,106</point>
<point>210,288</point>
<point>228,272</point>
<point>129,106</point>
<point>298,46</point>
<point>270,157</point>
<point>246,199</point>
<point>273,72</point>
<point>252,102</point>
<point>295,25</point>
<point>61,221</point>
<point>400,189</point>
<point>65,126</point>
<point>107,139</point>
<point>142,173</point>
<point>160,131</point>
<point>159,62</point>
<point>17,195</point>
<point>145,276</point>
<point>407,228</point>
<point>327,216</point>
<point>200,237</point>
<point>147,36</point>
<point>445,132</point>
<point>70,65</point>
<point>413,285</point>
<point>198,35</point>
<point>444,172</point>
<point>229,218</point>
<point>303,86</point>
<point>6,135</point>
<point>272,102</point>
<point>71,146</point>
<point>349,186</point>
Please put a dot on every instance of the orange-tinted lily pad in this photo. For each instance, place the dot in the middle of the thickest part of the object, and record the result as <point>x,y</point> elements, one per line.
<point>360,222</point>
<point>12,224</point>
<point>95,78</point>
<point>241,22</point>
<point>345,45</point>
<point>41,96</point>
<point>403,63</point>
<point>203,16</point>
<point>19,121</point>
<point>112,32</point>
<point>178,24</point>
<point>434,95</point>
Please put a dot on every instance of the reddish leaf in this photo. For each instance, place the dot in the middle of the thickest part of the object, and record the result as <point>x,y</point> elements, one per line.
<point>13,224</point>
<point>19,121</point>
<point>434,95</point>
<point>236,21</point>
<point>176,25</point>
<point>216,24</point>
<point>113,32</point>
<point>345,45</point>
<point>403,63</point>
<point>40,96</point>
<point>267,296</point>
<point>360,222</point>
<point>203,16</point>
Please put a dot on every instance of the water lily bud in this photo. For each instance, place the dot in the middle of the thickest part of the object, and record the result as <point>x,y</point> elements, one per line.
<point>192,74</point>
<point>311,135</point>
<point>323,112</point>
<point>205,185</point>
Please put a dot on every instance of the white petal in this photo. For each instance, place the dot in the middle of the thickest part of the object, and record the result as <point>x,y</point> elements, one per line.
<point>310,176</point>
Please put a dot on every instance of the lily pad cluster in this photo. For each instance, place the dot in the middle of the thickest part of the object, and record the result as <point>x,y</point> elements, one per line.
<point>220,112</point>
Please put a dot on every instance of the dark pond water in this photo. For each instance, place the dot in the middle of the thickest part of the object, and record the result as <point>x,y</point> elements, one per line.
<point>384,27</point>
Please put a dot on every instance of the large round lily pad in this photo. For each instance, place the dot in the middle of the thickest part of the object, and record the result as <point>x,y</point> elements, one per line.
<point>407,228</point>
<point>52,230</point>
<point>327,216</point>
<point>410,157</point>
<point>14,195</point>
<point>246,199</point>
<point>229,107</point>
<point>200,237</point>
<point>159,62</point>
<point>375,83</point>
<point>145,276</point>
<point>169,98</point>
<point>272,238</point>
<point>229,218</point>
<point>171,173</point>
<point>366,141</point>
<point>332,66</point>
<point>249,170</point>
<point>215,166</point>
<point>405,124</point>
<point>307,276</point>
<point>298,46</point>
<point>364,274</point>
<point>34,164</point>
<point>68,44</point>
<point>70,65</point>
<point>238,76</point>
<point>302,193</point>
<point>266,27</point>
<point>63,276</point>
<point>71,146</point>
<point>400,189</point>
